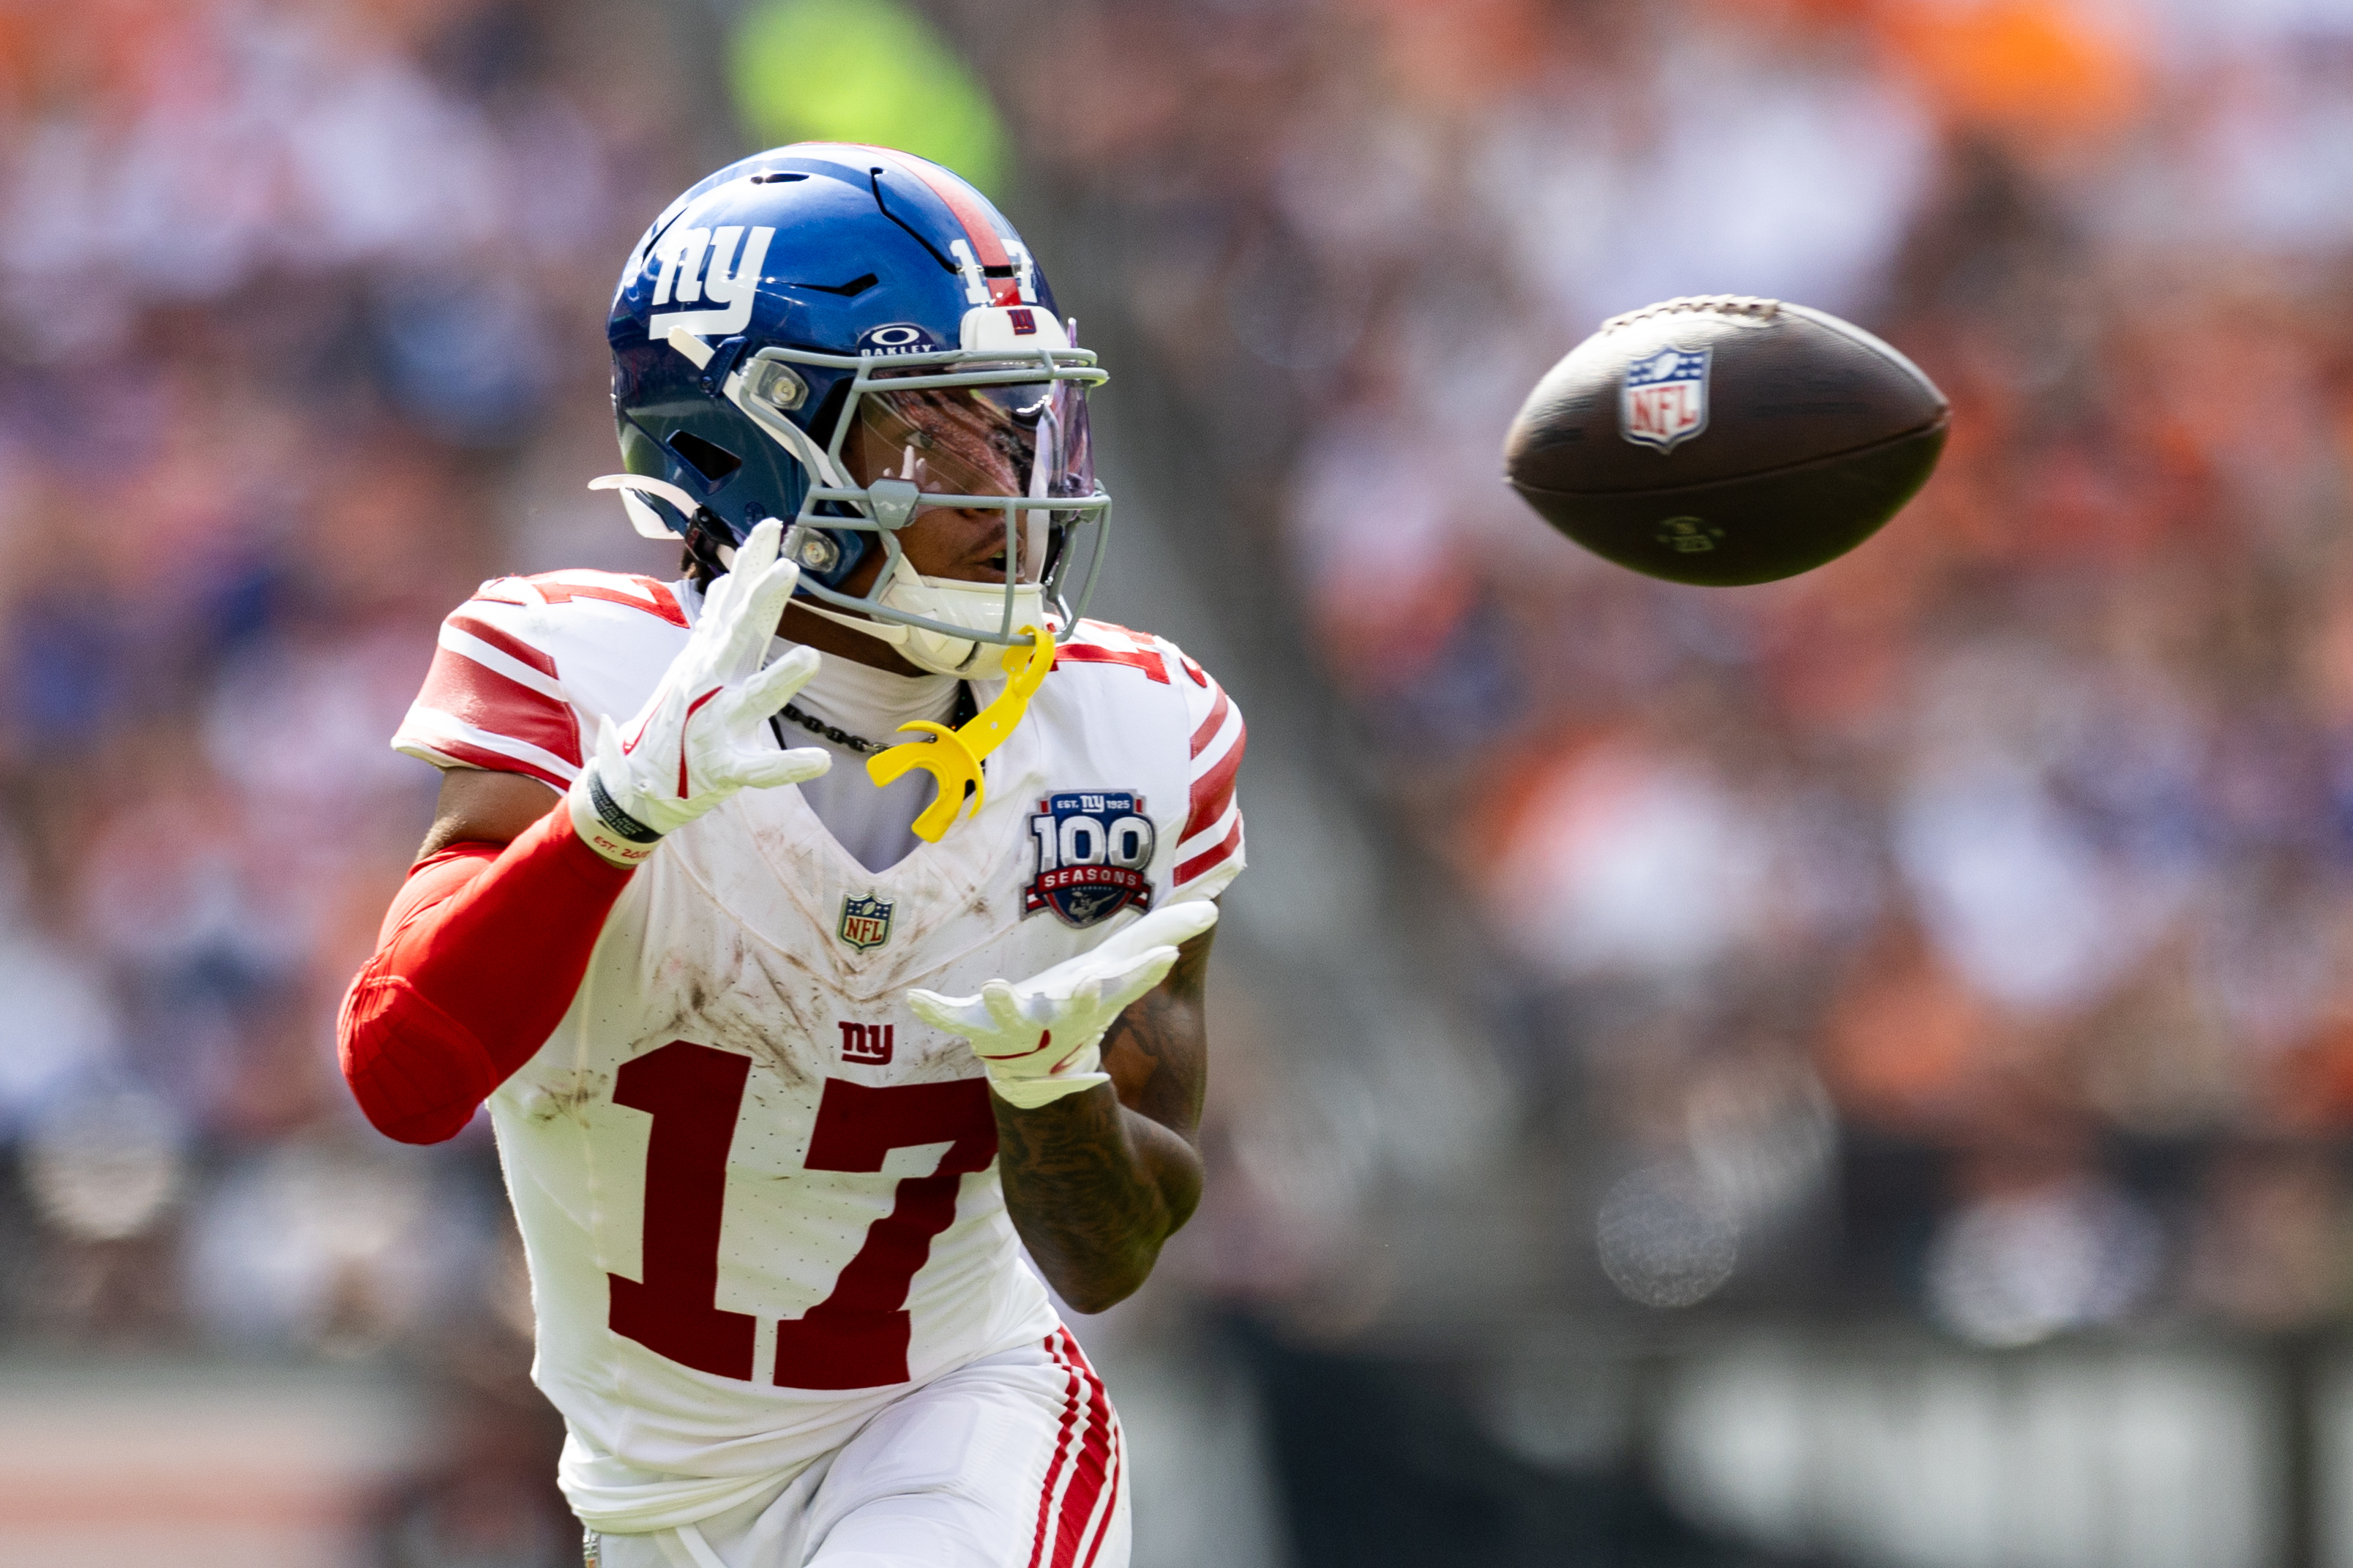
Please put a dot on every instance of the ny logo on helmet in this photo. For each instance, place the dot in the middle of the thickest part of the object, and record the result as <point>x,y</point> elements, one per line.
<point>730,282</point>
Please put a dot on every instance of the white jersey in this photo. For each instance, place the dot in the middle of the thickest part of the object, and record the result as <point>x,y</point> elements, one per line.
<point>758,1195</point>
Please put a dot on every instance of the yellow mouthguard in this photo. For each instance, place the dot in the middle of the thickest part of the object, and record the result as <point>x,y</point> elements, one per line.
<point>953,756</point>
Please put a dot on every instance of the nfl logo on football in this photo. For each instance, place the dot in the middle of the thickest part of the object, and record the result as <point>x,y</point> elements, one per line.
<point>1091,850</point>
<point>865,922</point>
<point>1664,401</point>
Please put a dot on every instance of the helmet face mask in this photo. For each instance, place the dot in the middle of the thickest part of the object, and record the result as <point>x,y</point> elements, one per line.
<point>839,407</point>
<point>959,429</point>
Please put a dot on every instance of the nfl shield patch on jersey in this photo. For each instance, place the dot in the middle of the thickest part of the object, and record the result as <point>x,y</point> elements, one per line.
<point>1664,403</point>
<point>865,922</point>
<point>1091,849</point>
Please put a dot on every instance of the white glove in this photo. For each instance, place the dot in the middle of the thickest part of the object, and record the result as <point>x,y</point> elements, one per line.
<point>702,735</point>
<point>1041,1038</point>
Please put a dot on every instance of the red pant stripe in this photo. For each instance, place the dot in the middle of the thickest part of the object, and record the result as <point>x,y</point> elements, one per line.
<point>1111,1505</point>
<point>1092,1468</point>
<point>1061,1450</point>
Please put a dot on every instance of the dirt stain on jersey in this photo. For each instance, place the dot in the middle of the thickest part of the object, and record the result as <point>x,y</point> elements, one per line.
<point>568,1092</point>
<point>932,1055</point>
<point>749,998</point>
<point>775,1022</point>
<point>690,993</point>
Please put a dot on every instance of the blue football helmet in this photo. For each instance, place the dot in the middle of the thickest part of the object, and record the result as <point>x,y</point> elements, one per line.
<point>844,336</point>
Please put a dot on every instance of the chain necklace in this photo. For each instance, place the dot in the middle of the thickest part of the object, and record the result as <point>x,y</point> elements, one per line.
<point>964,710</point>
<point>838,736</point>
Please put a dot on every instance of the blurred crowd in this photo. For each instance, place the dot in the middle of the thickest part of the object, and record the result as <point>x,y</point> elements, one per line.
<point>291,296</point>
<point>1972,912</point>
<point>1976,907</point>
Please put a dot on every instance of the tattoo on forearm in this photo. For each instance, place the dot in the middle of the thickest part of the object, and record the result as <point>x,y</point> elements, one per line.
<point>1096,1186</point>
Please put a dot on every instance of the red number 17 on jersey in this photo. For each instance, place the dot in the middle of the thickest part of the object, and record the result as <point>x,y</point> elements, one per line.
<point>857,1337</point>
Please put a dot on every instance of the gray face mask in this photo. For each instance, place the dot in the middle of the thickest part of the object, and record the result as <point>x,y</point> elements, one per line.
<point>985,427</point>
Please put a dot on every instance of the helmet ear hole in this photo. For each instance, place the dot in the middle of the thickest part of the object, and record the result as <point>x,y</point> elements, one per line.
<point>712,460</point>
<point>702,560</point>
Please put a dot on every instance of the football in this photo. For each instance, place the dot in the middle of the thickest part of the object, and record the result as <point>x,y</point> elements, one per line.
<point>1722,440</point>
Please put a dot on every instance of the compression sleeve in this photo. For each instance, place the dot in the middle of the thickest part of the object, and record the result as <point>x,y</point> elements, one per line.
<point>477,962</point>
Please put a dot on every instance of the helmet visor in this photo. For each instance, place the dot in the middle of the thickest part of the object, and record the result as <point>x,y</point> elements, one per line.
<point>1028,439</point>
<point>1025,439</point>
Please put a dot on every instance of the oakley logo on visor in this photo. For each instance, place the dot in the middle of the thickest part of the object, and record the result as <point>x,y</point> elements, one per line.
<point>898,338</point>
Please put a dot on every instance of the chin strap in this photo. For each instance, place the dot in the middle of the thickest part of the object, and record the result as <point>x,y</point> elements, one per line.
<point>880,631</point>
<point>901,636</point>
<point>953,756</point>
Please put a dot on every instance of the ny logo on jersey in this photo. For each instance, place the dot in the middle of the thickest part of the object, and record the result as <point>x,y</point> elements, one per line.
<point>865,922</point>
<point>868,1044</point>
<point>1093,847</point>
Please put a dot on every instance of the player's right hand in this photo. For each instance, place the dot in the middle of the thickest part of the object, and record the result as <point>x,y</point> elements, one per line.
<point>703,733</point>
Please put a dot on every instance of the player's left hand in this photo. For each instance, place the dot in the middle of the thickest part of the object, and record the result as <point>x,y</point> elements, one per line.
<point>1041,1038</point>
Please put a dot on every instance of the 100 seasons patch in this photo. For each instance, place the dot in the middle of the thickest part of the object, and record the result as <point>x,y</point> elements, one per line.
<point>1091,849</point>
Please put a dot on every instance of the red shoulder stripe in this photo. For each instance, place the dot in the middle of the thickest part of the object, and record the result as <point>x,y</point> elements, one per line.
<point>485,699</point>
<point>654,598</point>
<point>483,757</point>
<point>1212,724</point>
<point>1210,859</point>
<point>507,643</point>
<point>1144,659</point>
<point>1214,790</point>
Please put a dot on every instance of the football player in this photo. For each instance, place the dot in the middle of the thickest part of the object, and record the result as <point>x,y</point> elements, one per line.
<point>826,925</point>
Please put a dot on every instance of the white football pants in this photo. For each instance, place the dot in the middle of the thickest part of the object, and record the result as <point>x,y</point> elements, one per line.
<point>1014,1461</point>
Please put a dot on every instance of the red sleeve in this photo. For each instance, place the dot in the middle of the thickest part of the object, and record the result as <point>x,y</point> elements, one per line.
<point>478,960</point>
